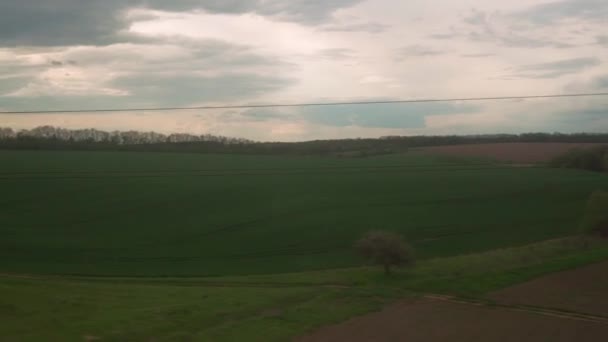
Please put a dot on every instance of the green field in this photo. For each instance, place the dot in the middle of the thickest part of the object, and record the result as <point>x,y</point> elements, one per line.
<point>154,214</point>
<point>95,245</point>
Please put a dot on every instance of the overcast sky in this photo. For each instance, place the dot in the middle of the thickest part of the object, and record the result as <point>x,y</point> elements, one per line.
<point>73,54</point>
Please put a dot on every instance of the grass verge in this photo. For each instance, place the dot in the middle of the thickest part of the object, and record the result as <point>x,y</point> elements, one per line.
<point>258,308</point>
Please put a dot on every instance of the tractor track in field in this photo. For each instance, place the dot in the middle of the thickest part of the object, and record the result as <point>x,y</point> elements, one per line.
<point>539,310</point>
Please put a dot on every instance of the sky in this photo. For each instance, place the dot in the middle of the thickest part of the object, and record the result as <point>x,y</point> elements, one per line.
<point>75,54</point>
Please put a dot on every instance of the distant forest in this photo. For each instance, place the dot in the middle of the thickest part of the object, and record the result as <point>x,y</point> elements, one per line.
<point>53,138</point>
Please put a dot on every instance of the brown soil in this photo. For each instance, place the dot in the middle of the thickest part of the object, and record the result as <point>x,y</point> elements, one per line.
<point>522,153</point>
<point>602,230</point>
<point>582,290</point>
<point>433,320</point>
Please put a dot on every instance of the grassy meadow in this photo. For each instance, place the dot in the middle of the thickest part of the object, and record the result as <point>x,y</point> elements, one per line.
<point>121,246</point>
<point>259,308</point>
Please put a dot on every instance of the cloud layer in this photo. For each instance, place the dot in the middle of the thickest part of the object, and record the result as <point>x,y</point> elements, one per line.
<point>69,54</point>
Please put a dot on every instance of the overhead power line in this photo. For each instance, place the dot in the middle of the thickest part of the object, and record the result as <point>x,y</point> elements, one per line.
<point>310,104</point>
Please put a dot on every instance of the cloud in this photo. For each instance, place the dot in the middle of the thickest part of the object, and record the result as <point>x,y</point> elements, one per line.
<point>478,55</point>
<point>557,24</point>
<point>444,36</point>
<point>56,23</point>
<point>568,65</point>
<point>337,53</point>
<point>557,68</point>
<point>77,22</point>
<point>303,11</point>
<point>124,74</point>
<point>516,40</point>
<point>551,12</point>
<point>369,27</point>
<point>176,89</point>
<point>601,82</point>
<point>66,54</point>
<point>264,114</point>
<point>587,118</point>
<point>139,90</point>
<point>539,115</point>
<point>598,83</point>
<point>172,54</point>
<point>389,116</point>
<point>11,84</point>
<point>418,51</point>
<point>394,116</point>
<point>509,30</point>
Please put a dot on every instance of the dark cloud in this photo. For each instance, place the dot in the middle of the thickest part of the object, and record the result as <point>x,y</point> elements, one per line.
<point>305,11</point>
<point>78,22</point>
<point>56,63</point>
<point>602,40</point>
<point>551,12</point>
<point>557,68</point>
<point>59,22</point>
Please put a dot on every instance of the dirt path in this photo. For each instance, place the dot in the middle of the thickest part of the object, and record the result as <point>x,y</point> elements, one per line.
<point>584,289</point>
<point>565,306</point>
<point>445,320</point>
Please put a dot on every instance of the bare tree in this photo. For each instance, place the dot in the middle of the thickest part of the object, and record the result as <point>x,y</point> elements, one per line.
<point>386,249</point>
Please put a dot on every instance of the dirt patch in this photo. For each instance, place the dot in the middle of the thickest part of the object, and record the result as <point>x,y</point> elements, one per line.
<point>602,230</point>
<point>521,153</point>
<point>582,290</point>
<point>431,320</point>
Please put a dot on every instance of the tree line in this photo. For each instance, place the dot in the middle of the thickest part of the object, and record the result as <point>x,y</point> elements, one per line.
<point>54,138</point>
<point>591,159</point>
